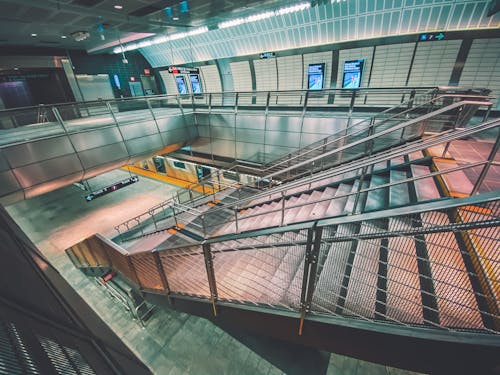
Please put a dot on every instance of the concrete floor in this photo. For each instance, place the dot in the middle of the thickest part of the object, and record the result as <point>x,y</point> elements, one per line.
<point>172,342</point>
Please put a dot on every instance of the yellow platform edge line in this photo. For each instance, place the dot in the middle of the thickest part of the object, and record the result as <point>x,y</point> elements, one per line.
<point>167,179</point>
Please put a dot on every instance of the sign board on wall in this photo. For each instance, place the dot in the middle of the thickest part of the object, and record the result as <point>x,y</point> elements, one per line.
<point>353,71</point>
<point>267,55</point>
<point>183,70</point>
<point>315,76</point>
<point>429,37</point>
<point>195,84</point>
<point>181,85</point>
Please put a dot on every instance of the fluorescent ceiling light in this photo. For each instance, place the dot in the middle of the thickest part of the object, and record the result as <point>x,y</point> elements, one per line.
<point>262,16</point>
<point>118,6</point>
<point>160,39</point>
<point>34,35</point>
<point>235,22</point>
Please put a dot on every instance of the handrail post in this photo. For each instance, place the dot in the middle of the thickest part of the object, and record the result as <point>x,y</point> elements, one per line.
<point>236,217</point>
<point>175,216</point>
<point>282,208</point>
<point>310,268</point>
<point>209,264</point>
<point>203,226</point>
<point>484,171</point>
<point>161,271</point>
<point>351,104</point>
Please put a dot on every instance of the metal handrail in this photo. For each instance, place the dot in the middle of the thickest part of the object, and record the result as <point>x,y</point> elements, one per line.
<point>371,160</point>
<point>193,254</point>
<point>190,95</point>
<point>321,144</point>
<point>356,165</point>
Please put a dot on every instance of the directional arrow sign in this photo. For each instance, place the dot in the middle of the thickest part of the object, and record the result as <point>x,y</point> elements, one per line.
<point>440,36</point>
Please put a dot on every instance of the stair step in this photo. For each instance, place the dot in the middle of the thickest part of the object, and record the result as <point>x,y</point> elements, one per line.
<point>325,181</point>
<point>291,214</point>
<point>415,155</point>
<point>404,302</point>
<point>337,204</point>
<point>451,281</point>
<point>425,188</point>
<point>349,204</point>
<point>284,274</point>
<point>397,160</point>
<point>362,287</point>
<point>305,212</point>
<point>457,183</point>
<point>376,199</point>
<point>328,287</point>
<point>398,194</point>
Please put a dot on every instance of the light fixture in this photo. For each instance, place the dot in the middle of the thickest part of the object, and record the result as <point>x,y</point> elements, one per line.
<point>80,35</point>
<point>175,18</point>
<point>261,16</point>
<point>34,35</point>
<point>160,39</point>
<point>63,36</point>
<point>117,6</point>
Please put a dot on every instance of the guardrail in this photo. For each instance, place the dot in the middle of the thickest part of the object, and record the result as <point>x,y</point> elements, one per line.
<point>366,156</point>
<point>311,268</point>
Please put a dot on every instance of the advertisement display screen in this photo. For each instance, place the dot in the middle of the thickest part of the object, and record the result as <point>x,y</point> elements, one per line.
<point>181,84</point>
<point>352,74</point>
<point>315,76</point>
<point>195,83</point>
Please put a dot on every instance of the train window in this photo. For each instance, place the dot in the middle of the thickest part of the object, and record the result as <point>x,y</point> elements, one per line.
<point>180,165</point>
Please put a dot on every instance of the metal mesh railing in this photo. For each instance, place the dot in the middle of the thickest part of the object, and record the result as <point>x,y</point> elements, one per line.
<point>436,267</point>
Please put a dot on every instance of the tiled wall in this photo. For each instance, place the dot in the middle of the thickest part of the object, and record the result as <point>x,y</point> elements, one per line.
<point>434,62</point>
<point>482,67</point>
<point>394,65</point>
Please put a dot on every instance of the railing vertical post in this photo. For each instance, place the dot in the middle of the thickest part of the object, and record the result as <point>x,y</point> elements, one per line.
<point>209,264</point>
<point>154,220</point>
<point>487,114</point>
<point>310,268</point>
<point>282,208</point>
<point>175,216</point>
<point>161,271</point>
<point>236,217</point>
<point>485,169</point>
<point>351,104</point>
<point>203,226</point>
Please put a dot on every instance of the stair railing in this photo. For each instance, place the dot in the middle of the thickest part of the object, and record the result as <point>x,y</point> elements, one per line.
<point>365,162</point>
<point>286,191</point>
<point>338,151</point>
<point>284,274</point>
<point>291,160</point>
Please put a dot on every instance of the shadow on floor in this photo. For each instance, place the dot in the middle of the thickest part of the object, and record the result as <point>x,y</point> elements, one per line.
<point>292,359</point>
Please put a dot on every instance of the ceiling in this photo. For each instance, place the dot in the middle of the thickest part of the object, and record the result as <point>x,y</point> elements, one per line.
<point>54,21</point>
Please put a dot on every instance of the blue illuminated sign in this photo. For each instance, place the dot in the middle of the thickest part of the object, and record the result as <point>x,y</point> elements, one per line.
<point>427,37</point>
<point>117,81</point>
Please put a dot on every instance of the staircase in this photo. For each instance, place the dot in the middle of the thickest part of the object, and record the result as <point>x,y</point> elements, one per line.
<point>379,240</point>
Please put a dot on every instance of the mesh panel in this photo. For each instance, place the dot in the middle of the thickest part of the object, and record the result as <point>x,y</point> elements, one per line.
<point>147,271</point>
<point>186,271</point>
<point>120,263</point>
<point>251,270</point>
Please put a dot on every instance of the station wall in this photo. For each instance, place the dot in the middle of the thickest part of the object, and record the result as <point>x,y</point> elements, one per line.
<point>468,63</point>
